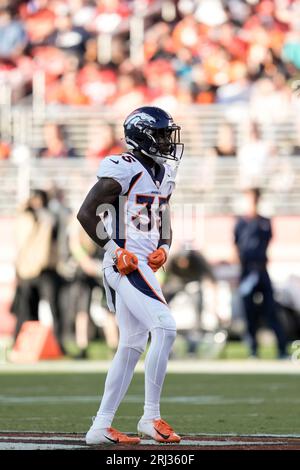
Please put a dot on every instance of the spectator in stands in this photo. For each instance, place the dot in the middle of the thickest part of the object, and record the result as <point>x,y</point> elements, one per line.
<point>130,92</point>
<point>252,235</point>
<point>270,99</point>
<point>109,15</point>
<point>98,85</point>
<point>167,93</point>
<point>55,144</point>
<point>225,145</point>
<point>67,91</point>
<point>83,12</point>
<point>254,156</point>
<point>68,37</point>
<point>39,19</point>
<point>103,141</point>
<point>13,38</point>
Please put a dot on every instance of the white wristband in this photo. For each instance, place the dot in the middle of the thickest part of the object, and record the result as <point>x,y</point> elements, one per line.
<point>110,247</point>
<point>166,248</point>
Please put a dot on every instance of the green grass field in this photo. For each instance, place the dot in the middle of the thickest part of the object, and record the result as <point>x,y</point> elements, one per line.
<point>192,403</point>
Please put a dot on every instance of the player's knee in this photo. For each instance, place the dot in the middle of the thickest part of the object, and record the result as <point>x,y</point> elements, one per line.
<point>170,335</point>
<point>137,343</point>
<point>165,335</point>
<point>139,347</point>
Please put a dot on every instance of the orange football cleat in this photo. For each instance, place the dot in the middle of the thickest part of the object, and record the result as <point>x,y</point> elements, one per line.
<point>96,436</point>
<point>159,430</point>
<point>121,438</point>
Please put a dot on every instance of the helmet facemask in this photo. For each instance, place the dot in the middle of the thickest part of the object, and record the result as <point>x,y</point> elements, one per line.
<point>162,143</point>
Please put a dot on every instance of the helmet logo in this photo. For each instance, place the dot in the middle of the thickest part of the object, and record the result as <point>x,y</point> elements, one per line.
<point>139,118</point>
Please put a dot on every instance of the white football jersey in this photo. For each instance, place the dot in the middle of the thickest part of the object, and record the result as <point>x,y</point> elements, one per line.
<point>136,220</point>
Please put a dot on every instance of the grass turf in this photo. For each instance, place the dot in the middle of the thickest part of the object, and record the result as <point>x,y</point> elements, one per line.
<point>193,403</point>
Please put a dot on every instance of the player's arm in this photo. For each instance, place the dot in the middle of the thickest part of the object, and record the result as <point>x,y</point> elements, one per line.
<point>159,257</point>
<point>104,193</point>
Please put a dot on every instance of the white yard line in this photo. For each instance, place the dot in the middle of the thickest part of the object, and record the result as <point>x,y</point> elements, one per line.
<point>66,436</point>
<point>182,400</point>
<point>195,366</point>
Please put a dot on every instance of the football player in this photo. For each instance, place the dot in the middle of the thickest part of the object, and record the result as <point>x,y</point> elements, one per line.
<point>132,198</point>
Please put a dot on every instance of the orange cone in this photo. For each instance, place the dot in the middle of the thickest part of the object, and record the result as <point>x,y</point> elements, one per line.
<point>34,343</point>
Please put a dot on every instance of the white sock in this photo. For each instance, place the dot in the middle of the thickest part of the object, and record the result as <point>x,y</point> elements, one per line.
<point>116,384</point>
<point>155,370</point>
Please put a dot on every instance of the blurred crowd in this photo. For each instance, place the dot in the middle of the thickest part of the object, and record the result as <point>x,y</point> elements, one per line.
<point>195,51</point>
<point>199,51</point>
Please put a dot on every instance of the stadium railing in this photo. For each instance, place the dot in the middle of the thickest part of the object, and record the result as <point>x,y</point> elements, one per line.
<point>218,193</point>
<point>214,182</point>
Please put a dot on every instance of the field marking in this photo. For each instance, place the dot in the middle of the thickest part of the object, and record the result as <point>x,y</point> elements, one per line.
<point>182,400</point>
<point>68,435</point>
<point>176,366</point>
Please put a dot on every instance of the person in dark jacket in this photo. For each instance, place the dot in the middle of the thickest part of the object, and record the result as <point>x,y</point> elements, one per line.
<point>252,235</point>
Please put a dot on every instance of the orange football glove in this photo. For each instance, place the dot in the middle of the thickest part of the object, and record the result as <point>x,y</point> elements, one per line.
<point>157,259</point>
<point>126,261</point>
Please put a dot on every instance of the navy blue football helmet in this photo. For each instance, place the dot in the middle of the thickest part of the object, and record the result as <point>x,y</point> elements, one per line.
<point>152,131</point>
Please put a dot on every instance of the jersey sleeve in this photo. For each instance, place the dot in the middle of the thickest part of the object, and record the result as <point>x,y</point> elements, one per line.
<point>116,168</point>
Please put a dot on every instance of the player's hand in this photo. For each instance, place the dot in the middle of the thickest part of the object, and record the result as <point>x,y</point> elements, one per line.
<point>126,261</point>
<point>157,259</point>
